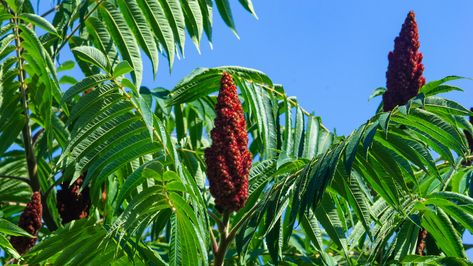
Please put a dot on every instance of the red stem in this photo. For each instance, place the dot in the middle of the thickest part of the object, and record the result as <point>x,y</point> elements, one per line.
<point>224,240</point>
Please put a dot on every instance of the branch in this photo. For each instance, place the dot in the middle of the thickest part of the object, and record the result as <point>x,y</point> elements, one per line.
<point>51,10</point>
<point>26,131</point>
<point>226,218</point>
<point>225,237</point>
<point>37,135</point>
<point>214,241</point>
<point>224,241</point>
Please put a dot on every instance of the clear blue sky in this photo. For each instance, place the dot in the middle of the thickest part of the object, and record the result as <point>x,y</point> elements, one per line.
<point>332,54</point>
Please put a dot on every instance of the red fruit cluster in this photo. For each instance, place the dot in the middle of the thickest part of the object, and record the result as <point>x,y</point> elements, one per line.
<point>420,249</point>
<point>30,221</point>
<point>72,203</point>
<point>404,75</point>
<point>228,159</point>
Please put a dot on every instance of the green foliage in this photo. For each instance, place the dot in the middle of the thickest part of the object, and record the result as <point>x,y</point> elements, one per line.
<point>314,197</point>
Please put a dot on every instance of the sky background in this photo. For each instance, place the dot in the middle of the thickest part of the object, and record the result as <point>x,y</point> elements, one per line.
<point>332,54</point>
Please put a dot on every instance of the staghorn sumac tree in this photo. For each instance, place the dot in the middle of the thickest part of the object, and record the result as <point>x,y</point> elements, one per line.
<point>119,172</point>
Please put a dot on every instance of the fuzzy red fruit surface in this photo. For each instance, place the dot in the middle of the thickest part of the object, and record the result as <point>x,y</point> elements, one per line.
<point>228,158</point>
<point>30,221</point>
<point>404,75</point>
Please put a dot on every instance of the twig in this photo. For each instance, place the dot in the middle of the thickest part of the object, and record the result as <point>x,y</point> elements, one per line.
<point>226,218</point>
<point>64,42</point>
<point>37,135</point>
<point>214,241</point>
<point>51,10</point>
<point>224,241</point>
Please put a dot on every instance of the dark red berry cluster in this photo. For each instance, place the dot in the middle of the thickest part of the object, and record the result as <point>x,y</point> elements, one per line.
<point>404,75</point>
<point>72,203</point>
<point>30,221</point>
<point>228,158</point>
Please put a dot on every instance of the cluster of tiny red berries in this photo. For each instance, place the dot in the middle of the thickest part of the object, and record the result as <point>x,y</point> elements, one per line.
<point>30,221</point>
<point>228,158</point>
<point>405,69</point>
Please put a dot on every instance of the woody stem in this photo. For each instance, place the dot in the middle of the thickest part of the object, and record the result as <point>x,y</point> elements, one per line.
<point>224,241</point>
<point>31,161</point>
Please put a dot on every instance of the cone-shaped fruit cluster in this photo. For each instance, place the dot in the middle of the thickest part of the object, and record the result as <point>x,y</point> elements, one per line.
<point>72,203</point>
<point>30,221</point>
<point>404,75</point>
<point>228,159</point>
